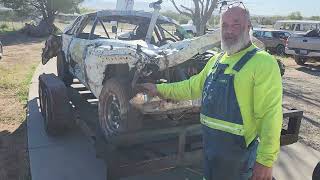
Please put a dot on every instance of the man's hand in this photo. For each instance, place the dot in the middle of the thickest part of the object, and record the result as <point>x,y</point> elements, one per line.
<point>148,88</point>
<point>261,172</point>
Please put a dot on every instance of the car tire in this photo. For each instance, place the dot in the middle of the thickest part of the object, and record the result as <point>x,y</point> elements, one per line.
<point>300,60</point>
<point>316,172</point>
<point>280,50</point>
<point>62,70</point>
<point>116,115</point>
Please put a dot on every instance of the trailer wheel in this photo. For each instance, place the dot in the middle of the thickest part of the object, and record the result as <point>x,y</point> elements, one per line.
<point>55,108</point>
<point>300,60</point>
<point>116,115</point>
<point>62,70</point>
<point>316,172</point>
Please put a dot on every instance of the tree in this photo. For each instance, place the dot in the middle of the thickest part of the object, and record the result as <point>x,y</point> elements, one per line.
<point>295,16</point>
<point>48,9</point>
<point>200,14</point>
<point>182,19</point>
<point>315,18</point>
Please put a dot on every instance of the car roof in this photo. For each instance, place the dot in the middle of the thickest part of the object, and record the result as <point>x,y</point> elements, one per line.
<point>134,17</point>
<point>298,21</point>
<point>271,30</point>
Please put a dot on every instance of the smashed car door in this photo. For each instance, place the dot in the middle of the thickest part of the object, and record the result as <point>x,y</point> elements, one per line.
<point>77,48</point>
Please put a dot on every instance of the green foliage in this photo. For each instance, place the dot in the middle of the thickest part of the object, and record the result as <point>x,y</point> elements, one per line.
<point>4,26</point>
<point>12,80</point>
<point>182,19</point>
<point>214,20</point>
<point>315,18</point>
<point>266,20</point>
<point>21,7</point>
<point>65,6</point>
<point>295,16</point>
<point>270,20</point>
<point>46,8</point>
<point>83,10</point>
<point>22,92</point>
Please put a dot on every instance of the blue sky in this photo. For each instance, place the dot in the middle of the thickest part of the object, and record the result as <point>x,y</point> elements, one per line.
<point>257,7</point>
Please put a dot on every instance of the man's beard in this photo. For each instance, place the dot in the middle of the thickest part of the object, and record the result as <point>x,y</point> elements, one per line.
<point>235,46</point>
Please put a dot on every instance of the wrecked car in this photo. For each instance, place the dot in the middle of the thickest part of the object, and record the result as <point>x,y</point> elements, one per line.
<point>110,61</point>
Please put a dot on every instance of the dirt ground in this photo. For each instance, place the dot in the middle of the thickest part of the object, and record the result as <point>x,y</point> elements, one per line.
<point>301,91</point>
<point>21,53</point>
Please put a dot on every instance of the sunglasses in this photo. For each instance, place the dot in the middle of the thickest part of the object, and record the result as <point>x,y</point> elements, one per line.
<point>225,5</point>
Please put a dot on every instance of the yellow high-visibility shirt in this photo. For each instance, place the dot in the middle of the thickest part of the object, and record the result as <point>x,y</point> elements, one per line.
<point>258,87</point>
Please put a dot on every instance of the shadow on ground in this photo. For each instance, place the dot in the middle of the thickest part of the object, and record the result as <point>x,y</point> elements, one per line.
<point>312,69</point>
<point>14,159</point>
<point>15,38</point>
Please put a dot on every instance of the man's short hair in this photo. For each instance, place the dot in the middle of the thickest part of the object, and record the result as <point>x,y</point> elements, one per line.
<point>245,11</point>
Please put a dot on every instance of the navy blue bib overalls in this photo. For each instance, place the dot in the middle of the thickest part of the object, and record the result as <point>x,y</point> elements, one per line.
<point>226,156</point>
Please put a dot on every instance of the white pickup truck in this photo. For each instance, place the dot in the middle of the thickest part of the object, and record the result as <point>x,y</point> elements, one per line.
<point>304,47</point>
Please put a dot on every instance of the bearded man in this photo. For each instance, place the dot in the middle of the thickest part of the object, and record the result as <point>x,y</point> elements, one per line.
<point>241,107</point>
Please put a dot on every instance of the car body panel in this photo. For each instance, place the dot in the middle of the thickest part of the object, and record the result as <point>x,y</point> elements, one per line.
<point>271,38</point>
<point>88,59</point>
<point>307,45</point>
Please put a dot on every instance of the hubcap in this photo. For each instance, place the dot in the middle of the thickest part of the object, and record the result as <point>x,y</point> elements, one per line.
<point>113,116</point>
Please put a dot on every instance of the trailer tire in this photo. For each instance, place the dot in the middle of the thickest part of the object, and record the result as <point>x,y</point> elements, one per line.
<point>62,70</point>
<point>54,104</point>
<point>116,115</point>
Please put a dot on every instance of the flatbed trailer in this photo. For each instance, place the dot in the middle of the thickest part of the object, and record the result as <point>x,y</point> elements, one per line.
<point>161,144</point>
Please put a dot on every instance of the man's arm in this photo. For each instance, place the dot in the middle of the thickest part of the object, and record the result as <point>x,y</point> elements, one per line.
<point>187,89</point>
<point>268,110</point>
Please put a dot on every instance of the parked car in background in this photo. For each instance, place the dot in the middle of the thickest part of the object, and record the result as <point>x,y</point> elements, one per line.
<point>189,28</point>
<point>297,26</point>
<point>274,40</point>
<point>304,47</point>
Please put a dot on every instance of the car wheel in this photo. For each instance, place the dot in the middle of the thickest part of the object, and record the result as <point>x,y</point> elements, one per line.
<point>300,60</point>
<point>280,49</point>
<point>116,115</point>
<point>62,70</point>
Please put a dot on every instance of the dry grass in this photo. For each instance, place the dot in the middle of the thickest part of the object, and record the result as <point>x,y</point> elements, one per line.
<point>14,84</point>
<point>21,56</point>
